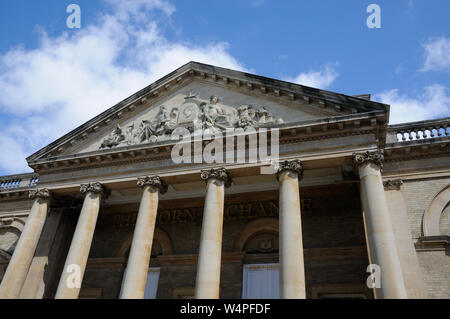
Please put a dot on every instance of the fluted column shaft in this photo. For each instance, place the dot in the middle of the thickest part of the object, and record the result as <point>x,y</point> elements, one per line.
<point>378,226</point>
<point>75,265</point>
<point>141,247</point>
<point>19,264</point>
<point>292,268</point>
<point>207,285</point>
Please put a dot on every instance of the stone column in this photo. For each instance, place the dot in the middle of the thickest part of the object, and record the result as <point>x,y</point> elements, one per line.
<point>39,275</point>
<point>207,283</point>
<point>17,270</point>
<point>141,247</point>
<point>292,267</point>
<point>73,272</point>
<point>378,226</point>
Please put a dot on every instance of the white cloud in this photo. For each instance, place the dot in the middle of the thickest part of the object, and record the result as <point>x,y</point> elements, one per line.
<point>433,102</point>
<point>437,54</point>
<point>318,79</point>
<point>67,80</point>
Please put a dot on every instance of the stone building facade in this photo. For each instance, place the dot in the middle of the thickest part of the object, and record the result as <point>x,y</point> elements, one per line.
<point>114,205</point>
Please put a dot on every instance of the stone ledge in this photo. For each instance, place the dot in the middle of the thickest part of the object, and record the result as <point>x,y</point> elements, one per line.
<point>335,253</point>
<point>106,262</point>
<point>433,243</point>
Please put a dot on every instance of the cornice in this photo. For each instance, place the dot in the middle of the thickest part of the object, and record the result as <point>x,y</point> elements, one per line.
<point>16,194</point>
<point>417,157</point>
<point>415,150</point>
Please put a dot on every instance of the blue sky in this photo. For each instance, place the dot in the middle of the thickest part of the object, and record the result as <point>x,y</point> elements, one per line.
<point>53,79</point>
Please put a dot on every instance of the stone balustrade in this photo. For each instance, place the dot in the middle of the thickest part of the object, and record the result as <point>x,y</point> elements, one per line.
<point>419,131</point>
<point>12,182</point>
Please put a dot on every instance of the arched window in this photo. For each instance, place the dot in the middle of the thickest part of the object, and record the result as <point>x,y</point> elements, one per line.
<point>436,217</point>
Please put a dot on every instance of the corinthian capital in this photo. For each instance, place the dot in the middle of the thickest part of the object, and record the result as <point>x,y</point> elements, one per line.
<point>217,173</point>
<point>153,181</point>
<point>295,166</point>
<point>375,157</point>
<point>94,187</point>
<point>42,193</point>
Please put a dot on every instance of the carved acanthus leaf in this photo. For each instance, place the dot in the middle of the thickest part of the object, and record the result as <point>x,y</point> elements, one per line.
<point>217,173</point>
<point>393,184</point>
<point>295,166</point>
<point>153,181</point>
<point>375,157</point>
<point>94,187</point>
<point>42,193</point>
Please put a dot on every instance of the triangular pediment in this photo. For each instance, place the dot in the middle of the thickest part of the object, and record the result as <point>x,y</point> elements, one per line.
<point>199,96</point>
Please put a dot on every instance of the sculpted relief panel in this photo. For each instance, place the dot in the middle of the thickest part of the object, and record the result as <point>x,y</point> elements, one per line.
<point>193,114</point>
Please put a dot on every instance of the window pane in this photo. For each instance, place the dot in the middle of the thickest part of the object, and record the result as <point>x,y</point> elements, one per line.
<point>261,281</point>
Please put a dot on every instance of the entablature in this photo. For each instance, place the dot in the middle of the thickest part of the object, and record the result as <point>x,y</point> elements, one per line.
<point>290,133</point>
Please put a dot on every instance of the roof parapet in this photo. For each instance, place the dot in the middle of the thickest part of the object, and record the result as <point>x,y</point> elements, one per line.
<point>422,130</point>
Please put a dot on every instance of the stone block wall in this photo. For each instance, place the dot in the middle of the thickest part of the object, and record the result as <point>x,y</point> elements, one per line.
<point>434,262</point>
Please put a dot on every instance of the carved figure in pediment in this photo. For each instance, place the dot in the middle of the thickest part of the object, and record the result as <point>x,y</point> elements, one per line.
<point>114,138</point>
<point>264,117</point>
<point>193,114</point>
<point>226,117</point>
<point>209,113</point>
<point>215,116</point>
<point>165,121</point>
<point>246,115</point>
<point>171,124</point>
<point>130,136</point>
<point>145,131</point>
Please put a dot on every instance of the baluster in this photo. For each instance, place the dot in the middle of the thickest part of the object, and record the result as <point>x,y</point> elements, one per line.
<point>404,136</point>
<point>420,134</point>
<point>433,132</point>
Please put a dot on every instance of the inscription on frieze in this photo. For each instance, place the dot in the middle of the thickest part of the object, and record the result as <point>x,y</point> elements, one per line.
<point>239,211</point>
